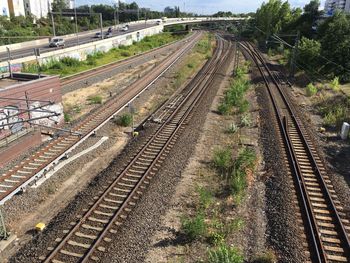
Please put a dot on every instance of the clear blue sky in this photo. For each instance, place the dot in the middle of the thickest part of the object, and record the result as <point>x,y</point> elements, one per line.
<point>200,6</point>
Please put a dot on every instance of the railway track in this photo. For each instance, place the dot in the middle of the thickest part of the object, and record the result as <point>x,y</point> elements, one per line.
<point>47,157</point>
<point>324,221</point>
<point>97,227</point>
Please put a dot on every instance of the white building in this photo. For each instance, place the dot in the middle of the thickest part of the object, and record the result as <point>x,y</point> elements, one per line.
<point>4,8</point>
<point>36,8</point>
<point>16,7</point>
<point>332,5</point>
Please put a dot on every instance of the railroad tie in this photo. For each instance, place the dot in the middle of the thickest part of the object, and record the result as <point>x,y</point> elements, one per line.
<point>72,254</point>
<point>77,244</point>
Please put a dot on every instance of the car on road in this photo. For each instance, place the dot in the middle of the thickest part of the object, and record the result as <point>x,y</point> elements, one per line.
<point>110,30</point>
<point>159,22</point>
<point>125,28</point>
<point>98,35</point>
<point>56,42</point>
<point>108,34</point>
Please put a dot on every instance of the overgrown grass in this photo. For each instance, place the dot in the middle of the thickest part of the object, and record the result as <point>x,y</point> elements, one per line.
<point>194,227</point>
<point>335,110</point>
<point>266,257</point>
<point>225,254</point>
<point>68,66</point>
<point>234,96</point>
<point>124,120</point>
<point>311,90</point>
<point>97,99</point>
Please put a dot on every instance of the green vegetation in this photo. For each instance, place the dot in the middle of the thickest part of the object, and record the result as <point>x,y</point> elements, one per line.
<point>323,49</point>
<point>205,198</point>
<point>24,28</point>
<point>125,120</point>
<point>311,90</point>
<point>246,120</point>
<point>232,128</point>
<point>234,96</point>
<point>267,257</point>
<point>195,227</point>
<point>67,117</point>
<point>225,254</point>
<point>95,99</point>
<point>222,160</point>
<point>68,66</point>
<point>335,84</point>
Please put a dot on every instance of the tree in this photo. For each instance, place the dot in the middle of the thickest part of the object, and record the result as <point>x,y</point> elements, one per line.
<point>309,51</point>
<point>59,5</point>
<point>335,41</point>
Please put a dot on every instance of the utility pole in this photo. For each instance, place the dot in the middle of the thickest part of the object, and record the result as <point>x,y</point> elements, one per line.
<point>101,24</point>
<point>294,55</point>
<point>76,22</point>
<point>53,25</point>
<point>9,60</point>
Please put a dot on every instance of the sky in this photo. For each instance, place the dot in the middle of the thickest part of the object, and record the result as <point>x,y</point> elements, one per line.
<point>200,6</point>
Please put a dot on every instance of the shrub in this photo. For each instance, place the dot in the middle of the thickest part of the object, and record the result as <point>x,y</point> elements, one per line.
<point>190,65</point>
<point>225,254</point>
<point>194,228</point>
<point>311,90</point>
<point>125,53</point>
<point>246,159</point>
<point>224,108</point>
<point>125,120</point>
<point>95,99</point>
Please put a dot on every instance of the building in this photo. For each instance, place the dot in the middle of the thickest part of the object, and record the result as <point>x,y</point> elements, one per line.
<point>332,5</point>
<point>36,8</point>
<point>4,8</point>
<point>16,7</point>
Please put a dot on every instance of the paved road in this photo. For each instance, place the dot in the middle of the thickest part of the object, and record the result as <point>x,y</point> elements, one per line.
<point>83,38</point>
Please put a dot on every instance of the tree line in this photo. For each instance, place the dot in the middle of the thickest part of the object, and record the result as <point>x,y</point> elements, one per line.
<point>323,46</point>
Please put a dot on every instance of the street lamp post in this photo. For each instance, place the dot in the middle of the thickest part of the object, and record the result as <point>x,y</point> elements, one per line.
<point>76,22</point>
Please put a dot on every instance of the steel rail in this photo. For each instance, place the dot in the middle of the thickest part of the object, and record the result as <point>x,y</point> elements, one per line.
<point>320,253</point>
<point>204,81</point>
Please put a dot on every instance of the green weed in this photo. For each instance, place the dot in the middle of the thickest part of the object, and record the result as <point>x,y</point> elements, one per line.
<point>311,90</point>
<point>246,121</point>
<point>125,120</point>
<point>195,227</point>
<point>232,128</point>
<point>67,117</point>
<point>225,254</point>
<point>95,99</point>
<point>205,198</point>
<point>335,84</point>
<point>266,257</point>
<point>222,160</point>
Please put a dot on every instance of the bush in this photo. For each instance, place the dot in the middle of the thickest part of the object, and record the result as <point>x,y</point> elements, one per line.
<point>311,90</point>
<point>244,106</point>
<point>224,108</point>
<point>125,120</point>
<point>225,254</point>
<point>95,99</point>
<point>194,228</point>
<point>125,54</point>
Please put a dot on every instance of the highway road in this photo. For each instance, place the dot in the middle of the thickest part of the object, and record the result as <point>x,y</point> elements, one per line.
<point>69,42</point>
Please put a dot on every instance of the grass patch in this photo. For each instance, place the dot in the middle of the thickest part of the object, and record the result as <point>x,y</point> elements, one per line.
<point>311,90</point>
<point>68,66</point>
<point>97,99</point>
<point>125,120</point>
<point>225,254</point>
<point>335,110</point>
<point>67,117</point>
<point>246,120</point>
<point>234,96</point>
<point>222,160</point>
<point>266,257</point>
<point>194,228</point>
<point>232,128</point>
<point>205,198</point>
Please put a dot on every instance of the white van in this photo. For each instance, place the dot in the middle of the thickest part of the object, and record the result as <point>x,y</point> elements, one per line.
<point>56,42</point>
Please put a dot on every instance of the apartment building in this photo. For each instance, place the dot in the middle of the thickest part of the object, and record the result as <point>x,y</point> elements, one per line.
<point>16,7</point>
<point>4,8</point>
<point>332,5</point>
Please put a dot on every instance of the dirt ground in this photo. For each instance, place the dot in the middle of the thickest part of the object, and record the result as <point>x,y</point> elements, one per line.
<point>167,244</point>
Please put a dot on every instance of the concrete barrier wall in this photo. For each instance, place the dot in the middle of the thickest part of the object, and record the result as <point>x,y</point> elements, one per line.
<point>80,52</point>
<point>44,41</point>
